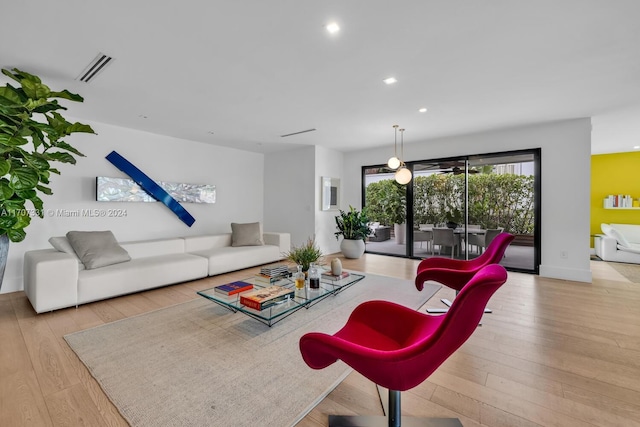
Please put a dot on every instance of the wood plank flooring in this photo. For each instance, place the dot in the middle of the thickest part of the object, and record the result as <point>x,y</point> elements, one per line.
<point>552,353</point>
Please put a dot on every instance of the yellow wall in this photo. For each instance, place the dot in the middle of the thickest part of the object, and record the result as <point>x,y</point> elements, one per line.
<point>617,173</point>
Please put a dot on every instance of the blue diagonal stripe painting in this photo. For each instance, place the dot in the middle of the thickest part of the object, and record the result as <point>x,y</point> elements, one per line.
<point>151,187</point>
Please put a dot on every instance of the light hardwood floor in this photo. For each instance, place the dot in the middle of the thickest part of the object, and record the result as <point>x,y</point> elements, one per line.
<point>553,353</point>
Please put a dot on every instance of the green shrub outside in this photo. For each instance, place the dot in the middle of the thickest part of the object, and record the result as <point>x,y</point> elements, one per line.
<point>495,200</point>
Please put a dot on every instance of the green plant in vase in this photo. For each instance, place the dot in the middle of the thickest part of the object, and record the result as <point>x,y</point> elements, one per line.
<point>354,227</point>
<point>31,137</point>
<point>305,254</point>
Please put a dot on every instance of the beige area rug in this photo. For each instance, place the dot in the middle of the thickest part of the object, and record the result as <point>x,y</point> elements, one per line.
<point>198,364</point>
<point>630,271</point>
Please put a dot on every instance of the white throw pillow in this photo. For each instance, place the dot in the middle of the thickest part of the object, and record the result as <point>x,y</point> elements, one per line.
<point>61,244</point>
<point>249,234</point>
<point>97,248</point>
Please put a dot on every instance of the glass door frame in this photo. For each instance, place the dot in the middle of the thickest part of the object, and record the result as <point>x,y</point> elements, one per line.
<point>409,219</point>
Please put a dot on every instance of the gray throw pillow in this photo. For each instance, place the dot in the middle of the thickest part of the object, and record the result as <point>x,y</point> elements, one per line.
<point>249,234</point>
<point>97,248</point>
<point>61,244</point>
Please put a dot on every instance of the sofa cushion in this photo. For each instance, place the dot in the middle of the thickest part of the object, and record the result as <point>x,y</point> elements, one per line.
<point>97,248</point>
<point>616,234</point>
<point>61,244</point>
<point>139,274</point>
<point>631,232</point>
<point>634,248</point>
<point>223,260</point>
<point>249,234</point>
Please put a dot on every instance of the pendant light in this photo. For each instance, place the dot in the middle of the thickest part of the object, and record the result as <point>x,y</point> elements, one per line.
<point>394,162</point>
<point>403,175</point>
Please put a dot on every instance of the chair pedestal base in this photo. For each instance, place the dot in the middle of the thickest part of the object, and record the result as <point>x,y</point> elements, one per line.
<point>381,421</point>
<point>390,400</point>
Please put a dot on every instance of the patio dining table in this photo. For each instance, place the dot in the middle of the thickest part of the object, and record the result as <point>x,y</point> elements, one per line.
<point>459,232</point>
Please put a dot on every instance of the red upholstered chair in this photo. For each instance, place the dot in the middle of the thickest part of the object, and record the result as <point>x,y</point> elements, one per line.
<point>455,273</point>
<point>398,348</point>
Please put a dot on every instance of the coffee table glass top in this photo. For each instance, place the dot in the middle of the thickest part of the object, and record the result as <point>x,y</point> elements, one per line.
<point>303,298</point>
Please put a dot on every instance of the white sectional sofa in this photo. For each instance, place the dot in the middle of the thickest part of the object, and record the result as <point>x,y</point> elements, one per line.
<point>619,243</point>
<point>55,279</point>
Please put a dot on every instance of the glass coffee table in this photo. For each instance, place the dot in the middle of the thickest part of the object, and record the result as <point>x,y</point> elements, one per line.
<point>303,298</point>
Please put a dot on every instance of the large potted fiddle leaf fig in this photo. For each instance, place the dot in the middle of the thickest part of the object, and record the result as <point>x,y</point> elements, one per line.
<point>31,138</point>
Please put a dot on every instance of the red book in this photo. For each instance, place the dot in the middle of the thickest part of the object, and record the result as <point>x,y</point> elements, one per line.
<point>233,288</point>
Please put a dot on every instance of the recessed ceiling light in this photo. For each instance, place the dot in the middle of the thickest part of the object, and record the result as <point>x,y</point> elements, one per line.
<point>422,110</point>
<point>390,80</point>
<point>332,28</point>
<point>636,147</point>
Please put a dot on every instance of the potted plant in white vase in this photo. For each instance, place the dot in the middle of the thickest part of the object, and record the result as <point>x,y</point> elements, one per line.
<point>353,227</point>
<point>31,137</point>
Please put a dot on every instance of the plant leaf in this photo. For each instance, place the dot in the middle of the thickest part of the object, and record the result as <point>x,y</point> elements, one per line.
<point>35,90</point>
<point>16,235</point>
<point>79,127</point>
<point>38,204</point>
<point>6,192</point>
<point>23,178</point>
<point>60,156</point>
<point>67,95</point>
<point>10,94</point>
<point>5,165</point>
<point>63,145</point>
<point>6,219</point>
<point>12,140</point>
<point>43,189</point>
<point>10,74</point>
<point>23,75</point>
<point>37,160</point>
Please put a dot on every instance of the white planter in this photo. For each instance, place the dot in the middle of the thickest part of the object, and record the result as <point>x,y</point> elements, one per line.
<point>399,231</point>
<point>352,248</point>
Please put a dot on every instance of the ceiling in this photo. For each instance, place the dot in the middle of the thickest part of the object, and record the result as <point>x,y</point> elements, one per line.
<point>242,73</point>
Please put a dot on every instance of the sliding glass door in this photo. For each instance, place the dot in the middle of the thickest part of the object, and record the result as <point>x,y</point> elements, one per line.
<point>457,206</point>
<point>386,203</point>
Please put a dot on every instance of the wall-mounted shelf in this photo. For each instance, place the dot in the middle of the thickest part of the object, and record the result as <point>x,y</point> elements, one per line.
<point>620,201</point>
<point>625,208</point>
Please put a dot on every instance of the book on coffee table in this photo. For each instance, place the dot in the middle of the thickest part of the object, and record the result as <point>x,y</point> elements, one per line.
<point>333,277</point>
<point>233,288</point>
<point>269,279</point>
<point>260,299</point>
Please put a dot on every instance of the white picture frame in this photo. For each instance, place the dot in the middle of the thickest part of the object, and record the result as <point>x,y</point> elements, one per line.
<point>330,190</point>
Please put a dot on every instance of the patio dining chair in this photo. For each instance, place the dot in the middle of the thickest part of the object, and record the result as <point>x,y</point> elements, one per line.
<point>484,240</point>
<point>444,237</point>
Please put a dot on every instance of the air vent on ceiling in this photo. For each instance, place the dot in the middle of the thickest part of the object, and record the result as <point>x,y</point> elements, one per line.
<point>297,133</point>
<point>95,67</point>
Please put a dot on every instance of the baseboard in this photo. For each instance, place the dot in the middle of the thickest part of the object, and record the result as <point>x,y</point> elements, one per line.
<point>573,274</point>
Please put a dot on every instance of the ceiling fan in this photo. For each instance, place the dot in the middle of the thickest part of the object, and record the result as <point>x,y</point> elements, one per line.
<point>457,171</point>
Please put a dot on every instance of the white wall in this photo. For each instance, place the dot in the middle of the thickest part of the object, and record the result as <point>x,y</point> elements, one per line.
<point>289,193</point>
<point>328,163</point>
<point>237,175</point>
<point>566,169</point>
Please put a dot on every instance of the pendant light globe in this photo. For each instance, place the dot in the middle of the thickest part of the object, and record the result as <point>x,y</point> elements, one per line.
<point>403,175</point>
<point>393,163</point>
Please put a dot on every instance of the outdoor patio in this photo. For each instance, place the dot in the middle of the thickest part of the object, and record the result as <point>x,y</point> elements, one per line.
<point>518,257</point>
